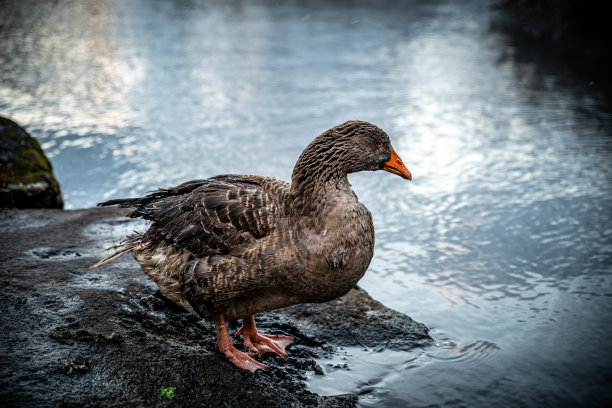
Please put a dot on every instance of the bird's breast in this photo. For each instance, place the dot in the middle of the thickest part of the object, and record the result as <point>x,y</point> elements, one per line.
<point>338,254</point>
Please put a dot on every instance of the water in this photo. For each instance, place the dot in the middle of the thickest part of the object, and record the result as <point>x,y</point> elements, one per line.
<point>502,244</point>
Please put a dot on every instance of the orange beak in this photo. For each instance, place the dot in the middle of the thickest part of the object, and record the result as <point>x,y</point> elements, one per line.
<point>396,166</point>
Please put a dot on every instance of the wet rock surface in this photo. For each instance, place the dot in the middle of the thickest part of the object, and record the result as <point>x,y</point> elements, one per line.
<point>26,174</point>
<point>106,337</point>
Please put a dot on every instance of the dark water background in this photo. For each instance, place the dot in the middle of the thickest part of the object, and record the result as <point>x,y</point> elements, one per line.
<point>502,244</point>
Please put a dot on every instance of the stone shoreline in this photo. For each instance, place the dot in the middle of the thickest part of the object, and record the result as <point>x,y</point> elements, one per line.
<point>106,337</point>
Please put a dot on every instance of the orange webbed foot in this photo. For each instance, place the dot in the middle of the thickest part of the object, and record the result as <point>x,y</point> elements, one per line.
<point>262,343</point>
<point>242,360</point>
<point>225,345</point>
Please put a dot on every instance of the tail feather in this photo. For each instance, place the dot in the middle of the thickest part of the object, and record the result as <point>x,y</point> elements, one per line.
<point>126,245</point>
<point>160,193</point>
<point>125,202</point>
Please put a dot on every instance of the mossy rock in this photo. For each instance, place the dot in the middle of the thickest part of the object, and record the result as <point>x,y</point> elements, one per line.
<point>26,174</point>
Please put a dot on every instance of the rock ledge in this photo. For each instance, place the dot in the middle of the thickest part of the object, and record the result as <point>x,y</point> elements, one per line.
<point>105,337</point>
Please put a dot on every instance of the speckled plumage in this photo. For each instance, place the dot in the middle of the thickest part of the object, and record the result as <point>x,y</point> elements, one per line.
<point>239,245</point>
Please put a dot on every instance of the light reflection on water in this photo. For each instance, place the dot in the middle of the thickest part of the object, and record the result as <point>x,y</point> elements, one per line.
<point>501,244</point>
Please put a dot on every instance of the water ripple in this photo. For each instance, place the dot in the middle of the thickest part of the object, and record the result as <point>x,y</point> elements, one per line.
<point>448,350</point>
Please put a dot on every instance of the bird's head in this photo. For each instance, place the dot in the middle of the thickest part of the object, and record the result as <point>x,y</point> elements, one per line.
<point>367,147</point>
<point>355,146</point>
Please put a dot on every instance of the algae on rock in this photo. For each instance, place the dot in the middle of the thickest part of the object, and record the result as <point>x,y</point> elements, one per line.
<point>26,174</point>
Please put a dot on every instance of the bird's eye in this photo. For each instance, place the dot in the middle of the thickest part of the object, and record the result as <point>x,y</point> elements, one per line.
<point>379,143</point>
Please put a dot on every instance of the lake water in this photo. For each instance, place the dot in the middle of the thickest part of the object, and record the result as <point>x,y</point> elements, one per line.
<point>502,244</point>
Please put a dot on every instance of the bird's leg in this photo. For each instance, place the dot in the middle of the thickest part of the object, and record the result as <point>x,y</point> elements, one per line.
<point>225,345</point>
<point>262,343</point>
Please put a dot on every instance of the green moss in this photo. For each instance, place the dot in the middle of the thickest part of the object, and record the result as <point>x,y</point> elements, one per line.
<point>167,393</point>
<point>25,165</point>
<point>25,172</point>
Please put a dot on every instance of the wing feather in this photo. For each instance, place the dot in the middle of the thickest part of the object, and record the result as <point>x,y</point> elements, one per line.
<point>216,216</point>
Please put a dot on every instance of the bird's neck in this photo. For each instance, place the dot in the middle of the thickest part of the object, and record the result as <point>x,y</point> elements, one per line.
<point>313,190</point>
<point>320,171</point>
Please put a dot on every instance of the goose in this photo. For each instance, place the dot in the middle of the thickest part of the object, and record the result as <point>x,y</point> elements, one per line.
<point>231,246</point>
